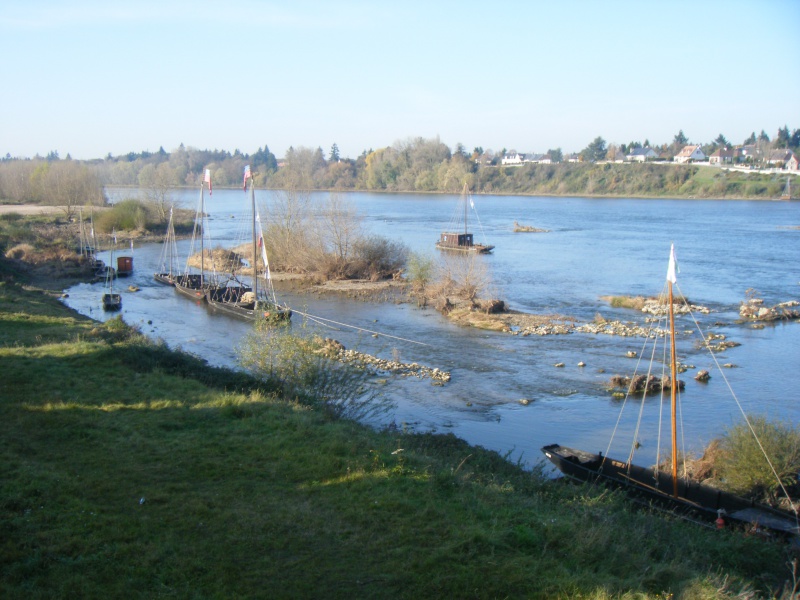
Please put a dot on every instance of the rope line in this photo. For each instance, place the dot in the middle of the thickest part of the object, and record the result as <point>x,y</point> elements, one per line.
<point>324,321</point>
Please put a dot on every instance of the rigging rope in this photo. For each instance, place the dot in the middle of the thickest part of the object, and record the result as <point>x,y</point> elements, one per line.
<point>744,415</point>
<point>324,321</point>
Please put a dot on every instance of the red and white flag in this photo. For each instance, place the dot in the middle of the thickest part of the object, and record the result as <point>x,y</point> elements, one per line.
<point>247,176</point>
<point>207,179</point>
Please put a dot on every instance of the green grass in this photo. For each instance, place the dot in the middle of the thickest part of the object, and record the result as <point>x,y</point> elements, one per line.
<point>128,470</point>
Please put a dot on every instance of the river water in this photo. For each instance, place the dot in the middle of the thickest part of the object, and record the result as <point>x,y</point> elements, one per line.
<point>593,248</point>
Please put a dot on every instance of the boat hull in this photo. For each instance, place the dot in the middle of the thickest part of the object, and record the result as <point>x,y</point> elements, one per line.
<point>476,248</point>
<point>658,486</point>
<point>165,278</point>
<point>230,303</point>
<point>112,302</point>
<point>193,287</point>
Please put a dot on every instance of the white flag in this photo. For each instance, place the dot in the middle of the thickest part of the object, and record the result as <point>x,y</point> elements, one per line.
<point>673,266</point>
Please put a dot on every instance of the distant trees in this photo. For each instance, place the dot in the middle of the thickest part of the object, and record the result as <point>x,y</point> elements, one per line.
<point>157,181</point>
<point>680,139</point>
<point>65,183</point>
<point>595,151</point>
<point>782,139</point>
<point>414,164</point>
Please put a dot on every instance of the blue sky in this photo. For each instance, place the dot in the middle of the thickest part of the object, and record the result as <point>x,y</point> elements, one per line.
<point>90,77</point>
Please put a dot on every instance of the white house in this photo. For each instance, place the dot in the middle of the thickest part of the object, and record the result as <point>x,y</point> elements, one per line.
<point>792,164</point>
<point>721,156</point>
<point>781,155</point>
<point>641,154</point>
<point>690,153</point>
<point>513,158</point>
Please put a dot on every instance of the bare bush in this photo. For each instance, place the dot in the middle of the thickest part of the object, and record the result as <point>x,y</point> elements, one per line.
<point>329,243</point>
<point>304,365</point>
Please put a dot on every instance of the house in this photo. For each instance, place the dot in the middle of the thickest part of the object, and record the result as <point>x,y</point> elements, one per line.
<point>689,153</point>
<point>779,156</point>
<point>540,159</point>
<point>749,153</point>
<point>641,154</point>
<point>574,157</point>
<point>721,156</point>
<point>513,158</point>
<point>793,164</point>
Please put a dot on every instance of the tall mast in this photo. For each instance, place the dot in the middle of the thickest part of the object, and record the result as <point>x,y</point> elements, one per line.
<point>673,372</point>
<point>255,254</point>
<point>466,201</point>
<point>202,235</point>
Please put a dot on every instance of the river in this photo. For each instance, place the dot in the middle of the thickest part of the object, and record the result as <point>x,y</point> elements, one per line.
<point>593,248</point>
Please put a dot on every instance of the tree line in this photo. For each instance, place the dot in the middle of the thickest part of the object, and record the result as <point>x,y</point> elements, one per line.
<point>412,165</point>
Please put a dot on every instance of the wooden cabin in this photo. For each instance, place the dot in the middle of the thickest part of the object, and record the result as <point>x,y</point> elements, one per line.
<point>124,266</point>
<point>455,240</point>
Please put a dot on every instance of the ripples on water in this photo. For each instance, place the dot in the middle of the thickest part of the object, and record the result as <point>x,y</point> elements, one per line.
<point>594,248</point>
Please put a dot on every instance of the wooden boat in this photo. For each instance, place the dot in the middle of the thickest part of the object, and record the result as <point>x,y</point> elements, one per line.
<point>195,285</point>
<point>250,302</point>
<point>124,266</point>
<point>169,255</point>
<point>111,299</point>
<point>454,238</point>
<point>667,488</point>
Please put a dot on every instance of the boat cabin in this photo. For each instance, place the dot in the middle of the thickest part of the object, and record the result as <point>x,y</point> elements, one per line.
<point>124,266</point>
<point>456,240</point>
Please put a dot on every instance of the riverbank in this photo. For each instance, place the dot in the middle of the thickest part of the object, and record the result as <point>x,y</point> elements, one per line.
<point>147,469</point>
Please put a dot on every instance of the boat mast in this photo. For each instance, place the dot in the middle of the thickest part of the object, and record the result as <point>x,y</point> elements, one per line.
<point>202,235</point>
<point>466,202</point>
<point>255,254</point>
<point>673,373</point>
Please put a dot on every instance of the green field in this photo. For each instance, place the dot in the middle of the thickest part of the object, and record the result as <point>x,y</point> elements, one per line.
<point>128,470</point>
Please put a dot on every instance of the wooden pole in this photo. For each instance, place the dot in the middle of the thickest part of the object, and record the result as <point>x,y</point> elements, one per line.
<point>673,394</point>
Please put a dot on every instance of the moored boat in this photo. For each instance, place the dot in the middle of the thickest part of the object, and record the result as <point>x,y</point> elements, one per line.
<point>243,301</point>
<point>195,285</point>
<point>111,300</point>
<point>169,255</point>
<point>458,237</point>
<point>663,484</point>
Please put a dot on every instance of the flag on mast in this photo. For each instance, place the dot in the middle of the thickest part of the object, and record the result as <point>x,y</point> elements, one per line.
<point>207,179</point>
<point>247,176</point>
<point>673,266</point>
<point>261,244</point>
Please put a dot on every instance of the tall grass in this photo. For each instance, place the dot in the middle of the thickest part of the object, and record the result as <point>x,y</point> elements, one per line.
<point>127,470</point>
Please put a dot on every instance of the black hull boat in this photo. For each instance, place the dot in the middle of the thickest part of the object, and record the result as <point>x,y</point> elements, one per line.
<point>658,486</point>
<point>663,485</point>
<point>112,302</point>
<point>169,255</point>
<point>192,286</point>
<point>458,238</point>
<point>241,301</point>
<point>460,242</point>
<point>165,278</point>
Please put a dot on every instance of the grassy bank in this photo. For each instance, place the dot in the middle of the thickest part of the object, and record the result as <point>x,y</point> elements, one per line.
<point>130,470</point>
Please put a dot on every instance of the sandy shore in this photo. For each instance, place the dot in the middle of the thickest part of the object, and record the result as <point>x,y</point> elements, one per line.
<point>30,209</point>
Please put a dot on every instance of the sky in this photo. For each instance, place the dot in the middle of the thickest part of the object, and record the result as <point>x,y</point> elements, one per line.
<point>93,77</point>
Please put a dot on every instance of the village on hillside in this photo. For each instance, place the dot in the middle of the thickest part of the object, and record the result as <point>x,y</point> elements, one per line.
<point>749,156</point>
